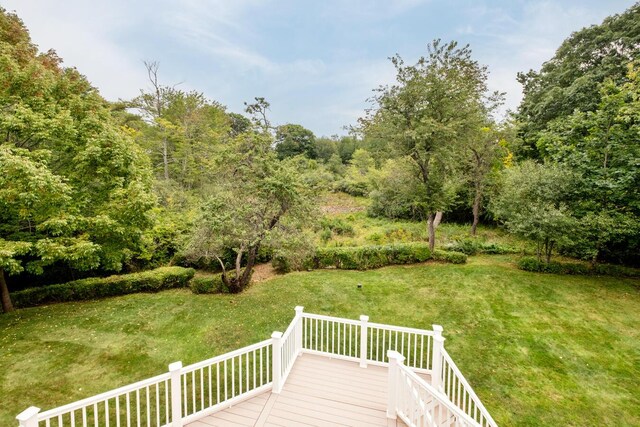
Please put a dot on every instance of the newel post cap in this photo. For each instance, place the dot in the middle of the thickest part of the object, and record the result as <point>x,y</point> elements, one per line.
<point>28,414</point>
<point>392,354</point>
<point>175,366</point>
<point>364,318</point>
<point>276,335</point>
<point>299,309</point>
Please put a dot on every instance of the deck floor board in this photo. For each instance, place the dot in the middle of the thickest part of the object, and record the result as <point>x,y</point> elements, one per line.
<point>320,392</point>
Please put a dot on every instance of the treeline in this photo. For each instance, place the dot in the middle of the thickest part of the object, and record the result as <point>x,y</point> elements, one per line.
<point>89,187</point>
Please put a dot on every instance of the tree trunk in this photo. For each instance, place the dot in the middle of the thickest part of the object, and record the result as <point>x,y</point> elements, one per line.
<point>438,218</point>
<point>476,211</point>
<point>548,249</point>
<point>7,306</point>
<point>432,231</point>
<point>248,269</point>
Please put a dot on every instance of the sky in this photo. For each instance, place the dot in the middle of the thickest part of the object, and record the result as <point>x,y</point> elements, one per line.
<point>316,62</point>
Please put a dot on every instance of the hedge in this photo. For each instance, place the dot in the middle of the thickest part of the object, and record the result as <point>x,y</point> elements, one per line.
<point>554,267</point>
<point>208,285</point>
<point>372,256</point>
<point>473,247</point>
<point>100,287</point>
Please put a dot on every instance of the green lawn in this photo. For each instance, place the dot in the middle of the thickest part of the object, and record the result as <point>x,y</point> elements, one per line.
<point>538,349</point>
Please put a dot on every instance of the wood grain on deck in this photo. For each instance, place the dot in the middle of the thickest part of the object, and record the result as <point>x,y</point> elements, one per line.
<point>318,392</point>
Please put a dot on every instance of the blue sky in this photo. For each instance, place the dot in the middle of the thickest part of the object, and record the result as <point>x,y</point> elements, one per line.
<point>316,62</point>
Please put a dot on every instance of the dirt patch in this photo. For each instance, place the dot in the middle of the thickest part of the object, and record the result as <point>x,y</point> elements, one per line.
<point>262,272</point>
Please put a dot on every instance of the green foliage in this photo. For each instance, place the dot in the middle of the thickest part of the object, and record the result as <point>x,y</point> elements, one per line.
<point>601,148</point>
<point>325,149</point>
<point>367,257</point>
<point>208,285</point>
<point>293,140</point>
<point>395,192</point>
<point>532,203</point>
<point>101,287</point>
<point>570,80</point>
<point>258,200</point>
<point>554,267</point>
<point>87,197</point>
<point>337,225</point>
<point>449,256</point>
<point>356,180</point>
<point>475,246</point>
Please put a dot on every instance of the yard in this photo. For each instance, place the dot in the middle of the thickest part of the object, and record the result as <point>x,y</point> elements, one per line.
<point>538,349</point>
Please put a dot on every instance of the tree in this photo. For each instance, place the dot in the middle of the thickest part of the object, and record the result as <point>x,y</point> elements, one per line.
<point>484,150</point>
<point>426,116</point>
<point>532,203</point>
<point>324,148</point>
<point>68,131</point>
<point>258,199</point>
<point>36,227</point>
<point>570,80</point>
<point>180,130</point>
<point>293,140</point>
<point>602,149</point>
<point>258,112</point>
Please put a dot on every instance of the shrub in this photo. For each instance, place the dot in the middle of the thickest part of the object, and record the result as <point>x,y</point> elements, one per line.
<point>535,265</point>
<point>373,256</point>
<point>101,287</point>
<point>449,256</point>
<point>473,247</point>
<point>338,226</point>
<point>208,285</point>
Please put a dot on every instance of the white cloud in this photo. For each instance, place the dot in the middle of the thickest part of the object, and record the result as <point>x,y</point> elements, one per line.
<point>81,34</point>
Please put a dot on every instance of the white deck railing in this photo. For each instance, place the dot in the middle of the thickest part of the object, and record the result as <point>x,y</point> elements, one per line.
<point>416,402</point>
<point>185,394</point>
<point>458,390</point>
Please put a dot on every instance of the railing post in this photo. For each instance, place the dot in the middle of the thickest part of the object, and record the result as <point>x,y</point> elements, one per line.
<point>29,417</point>
<point>436,363</point>
<point>299,320</point>
<point>364,320</point>
<point>276,356</point>
<point>176,394</point>
<point>395,360</point>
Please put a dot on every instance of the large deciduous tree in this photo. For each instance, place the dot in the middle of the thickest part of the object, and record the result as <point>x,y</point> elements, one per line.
<point>180,131</point>
<point>59,129</point>
<point>602,148</point>
<point>570,80</point>
<point>293,140</point>
<point>434,106</point>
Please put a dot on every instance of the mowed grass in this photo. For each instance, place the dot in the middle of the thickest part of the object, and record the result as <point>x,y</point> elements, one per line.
<point>538,349</point>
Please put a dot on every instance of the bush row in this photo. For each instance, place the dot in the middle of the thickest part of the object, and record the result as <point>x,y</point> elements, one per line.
<point>100,287</point>
<point>372,256</point>
<point>535,265</point>
<point>473,247</point>
<point>208,285</point>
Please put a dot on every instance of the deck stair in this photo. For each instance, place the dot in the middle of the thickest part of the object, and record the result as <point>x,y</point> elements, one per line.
<point>321,371</point>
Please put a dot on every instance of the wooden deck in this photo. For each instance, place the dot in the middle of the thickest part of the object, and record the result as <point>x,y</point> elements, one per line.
<point>318,392</point>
